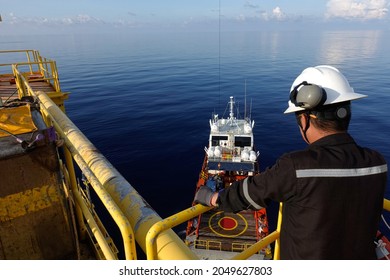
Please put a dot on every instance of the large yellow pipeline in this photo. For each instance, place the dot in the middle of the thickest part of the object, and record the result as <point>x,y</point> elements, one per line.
<point>141,216</point>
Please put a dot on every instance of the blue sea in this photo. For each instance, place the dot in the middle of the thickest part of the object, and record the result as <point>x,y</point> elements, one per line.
<point>145,100</point>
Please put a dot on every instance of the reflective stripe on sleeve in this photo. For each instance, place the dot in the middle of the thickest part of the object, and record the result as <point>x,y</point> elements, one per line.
<point>246,195</point>
<point>353,172</point>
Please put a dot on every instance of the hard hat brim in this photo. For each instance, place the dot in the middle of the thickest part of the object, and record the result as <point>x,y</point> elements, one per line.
<point>345,97</point>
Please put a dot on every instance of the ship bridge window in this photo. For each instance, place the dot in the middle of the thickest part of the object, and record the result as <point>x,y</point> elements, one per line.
<point>215,140</point>
<point>240,141</point>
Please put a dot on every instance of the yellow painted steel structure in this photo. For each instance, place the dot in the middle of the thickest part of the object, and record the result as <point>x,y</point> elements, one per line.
<point>386,204</point>
<point>115,190</point>
<point>278,229</point>
<point>255,248</point>
<point>168,223</point>
<point>119,197</point>
<point>136,220</point>
<point>19,204</point>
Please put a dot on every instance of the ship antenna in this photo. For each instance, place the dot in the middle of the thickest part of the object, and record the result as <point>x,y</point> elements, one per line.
<point>219,53</point>
<point>245,102</point>
<point>231,111</point>
<point>250,111</point>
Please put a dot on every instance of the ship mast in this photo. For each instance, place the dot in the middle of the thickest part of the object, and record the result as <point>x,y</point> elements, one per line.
<point>231,111</point>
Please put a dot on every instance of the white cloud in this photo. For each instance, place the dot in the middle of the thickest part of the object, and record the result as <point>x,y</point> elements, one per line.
<point>79,19</point>
<point>275,14</point>
<point>351,9</point>
<point>278,14</point>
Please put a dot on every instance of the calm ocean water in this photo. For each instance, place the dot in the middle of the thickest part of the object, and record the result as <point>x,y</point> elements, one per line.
<point>145,100</point>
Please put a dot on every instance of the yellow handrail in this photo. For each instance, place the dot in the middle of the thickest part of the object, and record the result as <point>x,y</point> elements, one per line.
<point>247,253</point>
<point>109,203</point>
<point>168,223</point>
<point>386,204</point>
<point>123,194</point>
<point>140,215</point>
<point>115,212</point>
<point>47,68</point>
<point>31,56</point>
<point>118,216</point>
<point>278,229</point>
<point>192,212</point>
<point>107,252</point>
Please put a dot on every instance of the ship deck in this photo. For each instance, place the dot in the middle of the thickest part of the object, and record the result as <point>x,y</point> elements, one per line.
<point>8,89</point>
<point>226,231</point>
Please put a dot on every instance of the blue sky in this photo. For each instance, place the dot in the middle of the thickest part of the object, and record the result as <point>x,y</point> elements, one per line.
<point>97,15</point>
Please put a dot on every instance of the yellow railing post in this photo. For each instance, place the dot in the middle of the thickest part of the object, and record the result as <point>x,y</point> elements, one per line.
<point>278,229</point>
<point>73,185</point>
<point>107,252</point>
<point>168,223</point>
<point>257,246</point>
<point>29,60</point>
<point>113,209</point>
<point>20,85</point>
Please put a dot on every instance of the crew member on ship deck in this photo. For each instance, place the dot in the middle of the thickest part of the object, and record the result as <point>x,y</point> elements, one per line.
<point>332,192</point>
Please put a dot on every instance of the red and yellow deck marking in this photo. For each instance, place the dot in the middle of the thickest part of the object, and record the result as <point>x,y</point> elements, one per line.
<point>229,225</point>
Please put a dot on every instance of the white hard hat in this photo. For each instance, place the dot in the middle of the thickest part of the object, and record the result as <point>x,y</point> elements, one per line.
<point>324,85</point>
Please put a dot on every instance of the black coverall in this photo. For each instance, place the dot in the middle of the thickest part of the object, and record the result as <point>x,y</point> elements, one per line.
<point>332,194</point>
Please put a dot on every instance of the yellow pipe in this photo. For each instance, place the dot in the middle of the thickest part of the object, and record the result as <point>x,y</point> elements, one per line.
<point>116,213</point>
<point>112,208</point>
<point>68,158</point>
<point>140,215</point>
<point>247,253</point>
<point>168,223</point>
<point>106,249</point>
<point>118,216</point>
<point>29,60</point>
<point>73,185</point>
<point>278,229</point>
<point>19,81</point>
<point>386,204</point>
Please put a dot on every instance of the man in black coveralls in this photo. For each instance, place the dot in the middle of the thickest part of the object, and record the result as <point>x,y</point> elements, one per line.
<point>332,192</point>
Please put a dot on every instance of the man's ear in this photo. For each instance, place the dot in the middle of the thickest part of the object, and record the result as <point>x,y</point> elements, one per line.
<point>304,120</point>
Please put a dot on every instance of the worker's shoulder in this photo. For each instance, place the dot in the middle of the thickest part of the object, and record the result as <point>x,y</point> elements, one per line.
<point>373,154</point>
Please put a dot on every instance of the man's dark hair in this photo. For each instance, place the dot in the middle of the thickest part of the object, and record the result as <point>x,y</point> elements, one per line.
<point>331,125</point>
<point>334,117</point>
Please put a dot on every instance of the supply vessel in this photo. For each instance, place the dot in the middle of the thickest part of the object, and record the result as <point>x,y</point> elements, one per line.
<point>229,157</point>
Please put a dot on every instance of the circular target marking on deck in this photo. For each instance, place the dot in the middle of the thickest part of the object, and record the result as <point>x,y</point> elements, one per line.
<point>227,224</point>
